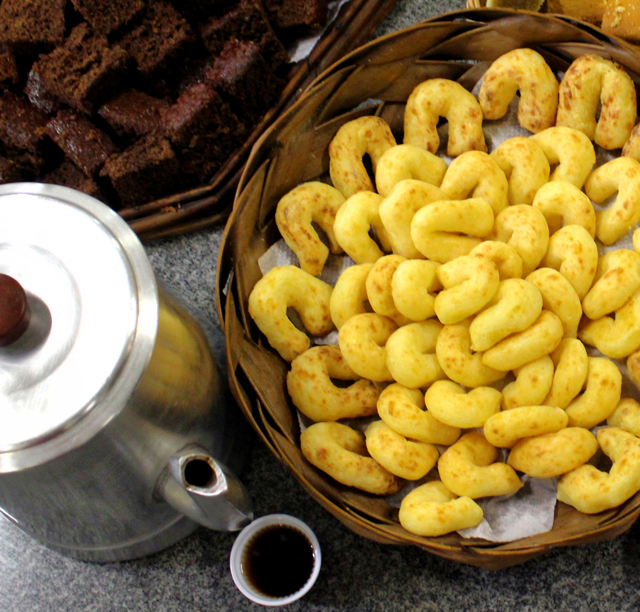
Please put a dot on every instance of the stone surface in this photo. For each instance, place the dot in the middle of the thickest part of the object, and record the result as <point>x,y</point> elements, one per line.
<point>357,575</point>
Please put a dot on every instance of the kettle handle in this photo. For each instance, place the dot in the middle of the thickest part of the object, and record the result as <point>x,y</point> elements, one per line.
<point>205,490</point>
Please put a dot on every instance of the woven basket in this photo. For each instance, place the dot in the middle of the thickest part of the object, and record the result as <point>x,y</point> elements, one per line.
<point>211,203</point>
<point>377,79</point>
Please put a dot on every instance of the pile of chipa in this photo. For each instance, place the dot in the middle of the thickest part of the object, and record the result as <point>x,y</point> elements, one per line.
<point>465,274</point>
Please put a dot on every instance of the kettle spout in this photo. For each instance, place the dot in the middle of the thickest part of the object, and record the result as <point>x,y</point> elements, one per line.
<point>205,490</point>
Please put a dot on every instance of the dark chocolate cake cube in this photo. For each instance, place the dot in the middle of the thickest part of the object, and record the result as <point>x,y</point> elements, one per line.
<point>134,113</point>
<point>31,26</point>
<point>145,171</point>
<point>247,21</point>
<point>106,16</point>
<point>13,172</point>
<point>160,37</point>
<point>39,96</point>
<point>68,174</point>
<point>296,17</point>
<point>243,77</point>
<point>32,164</point>
<point>84,70</point>
<point>203,130</point>
<point>197,10</point>
<point>8,67</point>
<point>22,125</point>
<point>81,141</point>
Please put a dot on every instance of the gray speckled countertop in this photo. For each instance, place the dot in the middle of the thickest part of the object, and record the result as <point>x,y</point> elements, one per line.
<point>357,575</point>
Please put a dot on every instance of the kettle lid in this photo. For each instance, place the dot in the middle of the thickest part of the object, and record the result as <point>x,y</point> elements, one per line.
<point>92,298</point>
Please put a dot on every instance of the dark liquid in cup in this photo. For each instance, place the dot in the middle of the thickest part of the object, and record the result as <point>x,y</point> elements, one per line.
<point>278,560</point>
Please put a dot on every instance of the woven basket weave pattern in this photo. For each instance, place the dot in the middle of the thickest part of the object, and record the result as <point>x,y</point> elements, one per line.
<point>377,79</point>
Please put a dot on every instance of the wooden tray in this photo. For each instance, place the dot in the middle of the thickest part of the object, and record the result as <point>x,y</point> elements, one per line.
<point>210,204</point>
<point>377,79</point>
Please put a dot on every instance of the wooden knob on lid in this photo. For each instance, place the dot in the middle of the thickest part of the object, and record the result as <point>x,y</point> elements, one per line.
<point>14,310</point>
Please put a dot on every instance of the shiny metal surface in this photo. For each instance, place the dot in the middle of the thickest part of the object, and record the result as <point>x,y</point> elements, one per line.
<point>111,380</point>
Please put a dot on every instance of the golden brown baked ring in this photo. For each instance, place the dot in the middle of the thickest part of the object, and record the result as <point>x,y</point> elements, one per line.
<point>469,282</point>
<point>431,510</point>
<point>526,167</point>
<point>571,150</point>
<point>571,368</point>
<point>398,209</point>
<point>531,386</point>
<point>591,491</point>
<point>284,287</point>
<point>592,80</point>
<point>404,411</point>
<point>615,336</point>
<point>620,175</point>
<point>525,229</point>
<point>363,136</point>
<point>379,289</point>
<point>573,252</point>
<point>437,98</point>
<point>558,296</point>
<point>396,454</point>
<point>342,453</point>
<point>362,340</point>
<point>411,354</point>
<point>562,203</point>
<point>349,294</point>
<point>504,429</point>
<point>413,286</point>
<point>617,279</point>
<point>475,174</point>
<point>459,362</point>
<point>407,161</point>
<point>445,230</point>
<point>467,468</point>
<point>515,306</point>
<point>313,392</point>
<point>353,224</point>
<point>601,395</point>
<point>295,214</point>
<point>526,346</point>
<point>553,454</point>
<point>526,71</point>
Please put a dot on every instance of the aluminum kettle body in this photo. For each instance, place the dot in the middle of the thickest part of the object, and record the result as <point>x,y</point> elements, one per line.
<point>154,450</point>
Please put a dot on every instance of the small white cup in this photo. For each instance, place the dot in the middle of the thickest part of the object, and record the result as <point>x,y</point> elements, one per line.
<point>245,537</point>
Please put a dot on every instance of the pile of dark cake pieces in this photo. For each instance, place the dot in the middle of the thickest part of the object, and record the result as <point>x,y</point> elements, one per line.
<point>133,100</point>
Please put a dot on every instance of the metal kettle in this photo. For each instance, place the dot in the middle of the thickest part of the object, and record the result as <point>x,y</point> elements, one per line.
<point>116,438</point>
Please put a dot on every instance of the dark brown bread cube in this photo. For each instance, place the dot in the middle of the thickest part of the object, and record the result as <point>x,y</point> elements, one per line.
<point>241,74</point>
<point>247,21</point>
<point>82,142</point>
<point>22,126</point>
<point>134,113</point>
<point>32,164</point>
<point>84,70</point>
<point>295,17</point>
<point>13,172</point>
<point>197,10</point>
<point>32,25</point>
<point>68,174</point>
<point>39,96</point>
<point>157,41</point>
<point>106,16</point>
<point>203,130</point>
<point>145,171</point>
<point>8,68</point>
